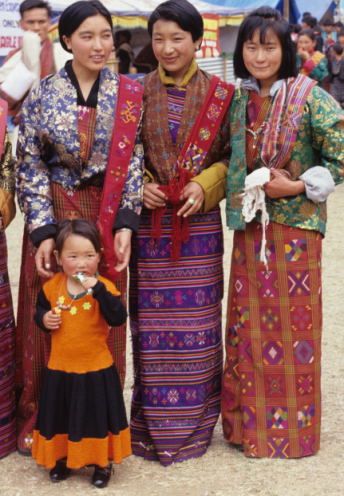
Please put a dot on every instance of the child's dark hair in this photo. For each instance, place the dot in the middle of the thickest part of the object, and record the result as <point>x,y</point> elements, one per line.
<point>80,227</point>
<point>263,20</point>
<point>182,13</point>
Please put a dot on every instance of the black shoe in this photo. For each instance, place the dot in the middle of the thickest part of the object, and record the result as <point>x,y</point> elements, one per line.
<point>60,472</point>
<point>101,476</point>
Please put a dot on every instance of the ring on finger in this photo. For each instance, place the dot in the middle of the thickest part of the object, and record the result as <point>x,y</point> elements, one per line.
<point>191,201</point>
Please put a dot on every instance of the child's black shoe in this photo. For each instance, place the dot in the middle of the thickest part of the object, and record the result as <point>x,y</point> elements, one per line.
<point>60,472</point>
<point>101,476</point>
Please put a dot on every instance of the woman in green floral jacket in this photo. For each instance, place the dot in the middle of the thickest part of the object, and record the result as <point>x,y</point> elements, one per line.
<point>287,141</point>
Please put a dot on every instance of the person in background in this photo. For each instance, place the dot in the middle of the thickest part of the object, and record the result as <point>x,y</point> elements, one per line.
<point>25,66</point>
<point>294,32</point>
<point>145,61</point>
<point>305,14</point>
<point>124,51</point>
<point>336,70</point>
<point>81,417</point>
<point>309,22</point>
<point>341,38</point>
<point>329,34</point>
<point>311,62</point>
<point>7,327</point>
<point>271,398</point>
<point>338,26</point>
<point>176,276</point>
<point>72,164</point>
<point>319,45</point>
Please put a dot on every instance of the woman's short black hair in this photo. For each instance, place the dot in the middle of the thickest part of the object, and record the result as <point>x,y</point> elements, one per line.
<point>263,20</point>
<point>80,227</point>
<point>182,13</point>
<point>309,33</point>
<point>75,14</point>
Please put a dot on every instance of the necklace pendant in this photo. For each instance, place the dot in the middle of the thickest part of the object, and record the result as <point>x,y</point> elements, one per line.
<point>64,307</point>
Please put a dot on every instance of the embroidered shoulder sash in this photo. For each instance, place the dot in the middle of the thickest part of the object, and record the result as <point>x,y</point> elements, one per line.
<point>206,126</point>
<point>192,156</point>
<point>127,119</point>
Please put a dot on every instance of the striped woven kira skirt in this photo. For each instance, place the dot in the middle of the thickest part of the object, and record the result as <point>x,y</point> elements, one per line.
<point>7,359</point>
<point>175,310</point>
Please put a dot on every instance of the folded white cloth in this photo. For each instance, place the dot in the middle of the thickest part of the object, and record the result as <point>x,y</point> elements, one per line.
<point>318,183</point>
<point>9,65</point>
<point>254,200</point>
<point>18,82</point>
<point>22,71</point>
<point>31,53</point>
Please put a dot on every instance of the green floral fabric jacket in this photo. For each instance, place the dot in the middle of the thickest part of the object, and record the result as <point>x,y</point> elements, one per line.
<point>320,141</point>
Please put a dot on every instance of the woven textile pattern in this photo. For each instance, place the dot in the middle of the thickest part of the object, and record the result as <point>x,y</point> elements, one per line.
<point>271,386</point>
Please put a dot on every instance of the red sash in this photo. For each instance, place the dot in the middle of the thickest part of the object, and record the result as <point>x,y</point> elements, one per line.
<point>3,124</point>
<point>191,158</point>
<point>127,118</point>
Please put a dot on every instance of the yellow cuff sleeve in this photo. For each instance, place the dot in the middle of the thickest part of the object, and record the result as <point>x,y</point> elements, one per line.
<point>148,177</point>
<point>213,183</point>
<point>7,207</point>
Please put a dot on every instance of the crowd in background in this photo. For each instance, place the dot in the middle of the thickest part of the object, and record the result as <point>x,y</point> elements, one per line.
<point>320,48</point>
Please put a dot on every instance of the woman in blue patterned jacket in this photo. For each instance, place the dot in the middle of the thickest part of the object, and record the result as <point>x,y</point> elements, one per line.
<point>64,171</point>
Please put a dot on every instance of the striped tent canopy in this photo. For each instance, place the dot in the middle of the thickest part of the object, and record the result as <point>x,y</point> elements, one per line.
<point>134,13</point>
<point>296,7</point>
<point>145,7</point>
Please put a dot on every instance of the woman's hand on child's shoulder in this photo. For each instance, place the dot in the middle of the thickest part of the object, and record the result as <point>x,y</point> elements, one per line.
<point>52,320</point>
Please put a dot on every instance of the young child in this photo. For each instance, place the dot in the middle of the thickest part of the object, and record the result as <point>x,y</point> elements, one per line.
<point>81,418</point>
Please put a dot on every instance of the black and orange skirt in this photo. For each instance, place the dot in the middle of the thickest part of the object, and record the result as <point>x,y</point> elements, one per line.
<point>81,419</point>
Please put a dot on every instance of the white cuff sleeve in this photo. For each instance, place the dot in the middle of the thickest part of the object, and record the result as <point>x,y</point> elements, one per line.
<point>318,183</point>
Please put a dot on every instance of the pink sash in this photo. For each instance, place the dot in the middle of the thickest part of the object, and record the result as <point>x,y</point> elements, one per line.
<point>191,158</point>
<point>127,118</point>
<point>3,124</point>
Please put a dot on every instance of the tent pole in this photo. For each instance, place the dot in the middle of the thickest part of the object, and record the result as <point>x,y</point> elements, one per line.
<point>286,11</point>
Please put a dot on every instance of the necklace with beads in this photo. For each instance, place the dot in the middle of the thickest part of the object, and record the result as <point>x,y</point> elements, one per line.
<point>63,305</point>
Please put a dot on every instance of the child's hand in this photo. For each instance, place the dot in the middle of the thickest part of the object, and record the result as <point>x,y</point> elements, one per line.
<point>88,282</point>
<point>52,320</point>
